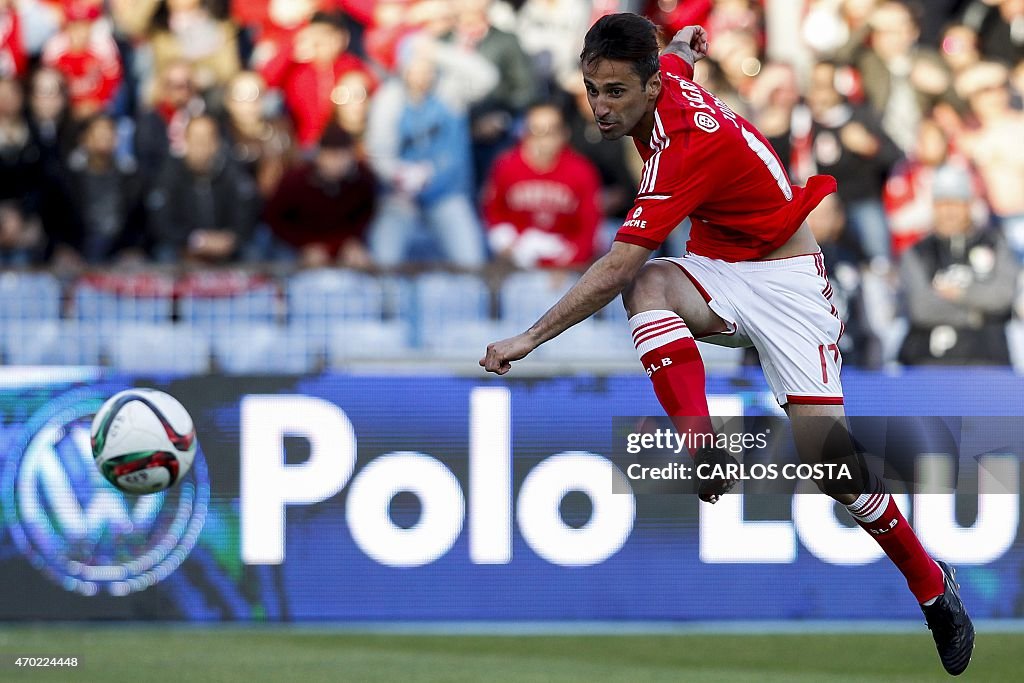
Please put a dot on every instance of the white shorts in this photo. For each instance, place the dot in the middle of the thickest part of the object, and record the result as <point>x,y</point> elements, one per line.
<point>783,308</point>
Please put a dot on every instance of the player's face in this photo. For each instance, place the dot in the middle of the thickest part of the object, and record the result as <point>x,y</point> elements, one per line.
<point>617,96</point>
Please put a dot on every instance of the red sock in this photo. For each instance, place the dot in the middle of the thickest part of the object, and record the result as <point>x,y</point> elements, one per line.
<point>672,360</point>
<point>877,513</point>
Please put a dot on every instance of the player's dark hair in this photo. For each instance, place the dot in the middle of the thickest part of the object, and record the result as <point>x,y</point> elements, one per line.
<point>624,37</point>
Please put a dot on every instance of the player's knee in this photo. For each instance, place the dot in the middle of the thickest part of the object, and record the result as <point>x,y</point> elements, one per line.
<point>648,291</point>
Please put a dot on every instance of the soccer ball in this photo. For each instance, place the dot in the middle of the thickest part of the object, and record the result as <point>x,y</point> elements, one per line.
<point>143,441</point>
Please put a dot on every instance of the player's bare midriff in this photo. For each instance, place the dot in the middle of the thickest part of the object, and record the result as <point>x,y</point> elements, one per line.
<point>802,242</point>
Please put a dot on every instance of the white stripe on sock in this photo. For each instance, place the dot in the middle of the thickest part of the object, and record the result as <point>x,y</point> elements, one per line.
<point>652,329</point>
<point>869,506</point>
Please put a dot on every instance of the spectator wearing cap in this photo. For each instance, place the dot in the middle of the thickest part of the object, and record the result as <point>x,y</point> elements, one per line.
<point>88,60</point>
<point>541,201</point>
<point>908,191</point>
<point>308,69</point>
<point>419,147</point>
<point>189,31</point>
<point>202,207</point>
<point>995,144</point>
<point>13,59</point>
<point>323,208</point>
<point>959,283</point>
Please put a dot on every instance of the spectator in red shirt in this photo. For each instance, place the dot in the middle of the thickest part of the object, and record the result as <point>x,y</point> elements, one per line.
<point>88,60</point>
<point>541,201</point>
<point>307,71</point>
<point>13,60</point>
<point>274,22</point>
<point>323,208</point>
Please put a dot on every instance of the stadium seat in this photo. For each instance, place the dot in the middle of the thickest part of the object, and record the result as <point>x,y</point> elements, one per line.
<point>368,340</point>
<point>262,349</point>
<point>159,348</point>
<point>595,341</point>
<point>319,300</point>
<point>329,295</point>
<point>209,313</point>
<point>446,297</point>
<point>29,296</point>
<point>50,342</point>
<point>526,296</point>
<point>110,310</point>
<point>465,342</point>
<point>441,301</point>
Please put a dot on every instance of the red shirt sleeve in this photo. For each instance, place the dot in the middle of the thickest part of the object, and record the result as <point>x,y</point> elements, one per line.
<point>676,64</point>
<point>674,183</point>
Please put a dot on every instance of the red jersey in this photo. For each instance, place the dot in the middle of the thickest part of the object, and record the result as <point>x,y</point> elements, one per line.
<point>706,162</point>
<point>561,202</point>
<point>307,88</point>
<point>13,59</point>
<point>92,75</point>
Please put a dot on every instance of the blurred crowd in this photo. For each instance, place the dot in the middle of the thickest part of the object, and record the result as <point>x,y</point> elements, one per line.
<point>373,134</point>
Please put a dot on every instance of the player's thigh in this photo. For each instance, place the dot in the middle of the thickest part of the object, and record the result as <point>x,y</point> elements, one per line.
<point>796,331</point>
<point>661,285</point>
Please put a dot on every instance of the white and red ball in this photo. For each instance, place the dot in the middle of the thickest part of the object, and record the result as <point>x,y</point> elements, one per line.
<point>143,441</point>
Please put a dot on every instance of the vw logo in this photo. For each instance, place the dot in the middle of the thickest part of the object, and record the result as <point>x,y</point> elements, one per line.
<point>76,528</point>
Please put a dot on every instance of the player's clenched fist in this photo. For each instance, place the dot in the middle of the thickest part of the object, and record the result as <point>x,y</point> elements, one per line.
<point>696,38</point>
<point>500,355</point>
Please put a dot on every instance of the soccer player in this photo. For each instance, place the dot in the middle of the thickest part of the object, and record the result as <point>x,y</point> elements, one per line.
<point>752,275</point>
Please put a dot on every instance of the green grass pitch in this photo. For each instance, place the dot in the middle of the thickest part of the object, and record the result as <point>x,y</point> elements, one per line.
<point>114,654</point>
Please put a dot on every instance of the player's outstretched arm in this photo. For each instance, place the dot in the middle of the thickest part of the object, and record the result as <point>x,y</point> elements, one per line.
<point>690,43</point>
<point>602,282</point>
